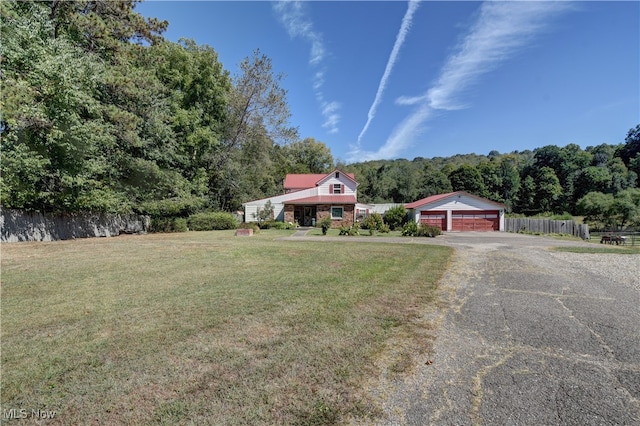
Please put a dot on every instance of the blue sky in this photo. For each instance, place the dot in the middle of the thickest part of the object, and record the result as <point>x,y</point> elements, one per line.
<point>398,79</point>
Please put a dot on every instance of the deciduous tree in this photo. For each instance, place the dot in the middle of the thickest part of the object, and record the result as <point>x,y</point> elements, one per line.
<point>308,156</point>
<point>548,189</point>
<point>631,147</point>
<point>468,178</point>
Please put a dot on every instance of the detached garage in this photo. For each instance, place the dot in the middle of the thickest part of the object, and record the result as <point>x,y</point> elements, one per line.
<point>459,211</point>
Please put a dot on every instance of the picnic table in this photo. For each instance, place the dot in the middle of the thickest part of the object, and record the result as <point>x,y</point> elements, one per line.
<point>613,239</point>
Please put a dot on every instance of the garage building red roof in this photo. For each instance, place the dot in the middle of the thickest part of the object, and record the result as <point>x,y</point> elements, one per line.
<point>438,197</point>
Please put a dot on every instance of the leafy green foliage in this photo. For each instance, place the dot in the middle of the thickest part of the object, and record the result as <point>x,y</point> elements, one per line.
<point>169,224</point>
<point>373,221</point>
<point>325,224</point>
<point>432,182</point>
<point>396,217</point>
<point>468,178</point>
<point>211,221</point>
<point>94,119</point>
<point>548,189</point>
<point>607,211</point>
<point>563,216</point>
<point>101,113</point>
<point>308,156</point>
<point>595,206</point>
<point>349,230</point>
<point>410,229</point>
<point>265,213</point>
<point>631,147</point>
<point>52,131</point>
<point>592,179</point>
<point>172,207</point>
<point>428,231</point>
<point>626,208</point>
<point>274,224</point>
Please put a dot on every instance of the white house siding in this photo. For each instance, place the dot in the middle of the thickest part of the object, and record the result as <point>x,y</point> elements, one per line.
<point>251,212</point>
<point>459,203</point>
<point>252,207</point>
<point>349,185</point>
<point>278,211</point>
<point>383,208</point>
<point>277,202</point>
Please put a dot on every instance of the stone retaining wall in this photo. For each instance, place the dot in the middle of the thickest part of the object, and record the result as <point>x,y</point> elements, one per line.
<point>18,225</point>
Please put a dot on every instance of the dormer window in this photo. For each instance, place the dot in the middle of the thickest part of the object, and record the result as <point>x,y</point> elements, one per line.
<point>337,188</point>
<point>337,175</point>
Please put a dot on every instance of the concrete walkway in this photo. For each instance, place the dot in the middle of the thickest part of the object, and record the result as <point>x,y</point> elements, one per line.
<point>300,232</point>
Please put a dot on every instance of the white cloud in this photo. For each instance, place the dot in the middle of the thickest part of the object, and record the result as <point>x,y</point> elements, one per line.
<point>410,100</point>
<point>329,111</point>
<point>501,29</point>
<point>400,37</point>
<point>401,138</point>
<point>318,80</point>
<point>293,16</point>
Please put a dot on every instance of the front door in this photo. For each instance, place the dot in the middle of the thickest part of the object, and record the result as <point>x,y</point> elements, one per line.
<point>308,216</point>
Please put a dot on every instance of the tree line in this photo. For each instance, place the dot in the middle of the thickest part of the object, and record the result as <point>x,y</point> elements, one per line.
<point>600,182</point>
<point>101,113</point>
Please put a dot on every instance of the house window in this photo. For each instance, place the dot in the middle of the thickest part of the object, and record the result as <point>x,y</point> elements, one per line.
<point>337,212</point>
<point>337,175</point>
<point>337,188</point>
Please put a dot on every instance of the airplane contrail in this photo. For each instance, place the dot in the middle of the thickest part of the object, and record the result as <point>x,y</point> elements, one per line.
<point>500,30</point>
<point>400,37</point>
<point>293,16</point>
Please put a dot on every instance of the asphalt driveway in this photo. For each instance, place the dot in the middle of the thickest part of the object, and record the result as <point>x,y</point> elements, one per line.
<point>528,336</point>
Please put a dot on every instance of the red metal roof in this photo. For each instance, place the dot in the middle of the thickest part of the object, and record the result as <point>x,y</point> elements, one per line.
<point>308,180</point>
<point>428,200</point>
<point>325,199</point>
<point>304,181</point>
<point>438,197</point>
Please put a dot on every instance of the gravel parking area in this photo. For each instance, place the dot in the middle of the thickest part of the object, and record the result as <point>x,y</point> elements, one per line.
<point>623,269</point>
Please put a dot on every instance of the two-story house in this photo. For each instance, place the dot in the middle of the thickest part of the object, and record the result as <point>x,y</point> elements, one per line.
<point>309,198</point>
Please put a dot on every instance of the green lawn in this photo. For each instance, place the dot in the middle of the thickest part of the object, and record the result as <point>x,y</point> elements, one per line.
<point>604,248</point>
<point>207,328</point>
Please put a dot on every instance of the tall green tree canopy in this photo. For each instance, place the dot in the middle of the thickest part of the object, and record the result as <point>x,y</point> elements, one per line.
<point>631,147</point>
<point>100,112</point>
<point>468,178</point>
<point>308,156</point>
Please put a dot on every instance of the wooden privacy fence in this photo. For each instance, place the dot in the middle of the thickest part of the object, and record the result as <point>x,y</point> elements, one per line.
<point>546,226</point>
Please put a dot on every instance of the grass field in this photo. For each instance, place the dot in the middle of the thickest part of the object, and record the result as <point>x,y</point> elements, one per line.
<point>610,249</point>
<point>207,328</point>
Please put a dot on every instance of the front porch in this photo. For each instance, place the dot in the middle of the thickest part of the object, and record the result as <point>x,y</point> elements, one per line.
<point>302,215</point>
<point>310,215</point>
